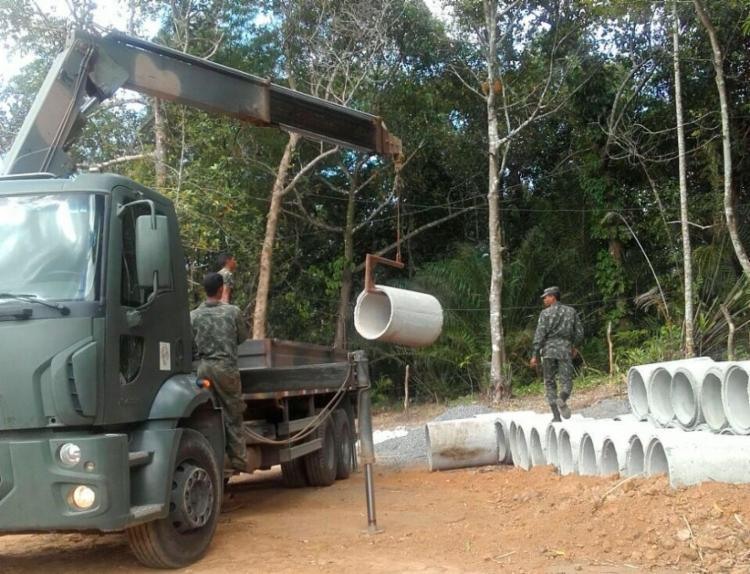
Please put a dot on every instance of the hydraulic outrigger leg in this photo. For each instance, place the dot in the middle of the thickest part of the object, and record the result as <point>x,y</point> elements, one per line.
<point>365,436</point>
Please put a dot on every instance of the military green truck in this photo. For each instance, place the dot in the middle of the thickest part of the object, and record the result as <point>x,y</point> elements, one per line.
<point>103,424</point>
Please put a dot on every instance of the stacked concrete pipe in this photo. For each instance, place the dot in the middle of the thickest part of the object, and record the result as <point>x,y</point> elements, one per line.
<point>660,388</point>
<point>640,380</point>
<point>735,396</point>
<point>462,443</point>
<point>694,457</point>
<point>712,405</point>
<point>685,391</point>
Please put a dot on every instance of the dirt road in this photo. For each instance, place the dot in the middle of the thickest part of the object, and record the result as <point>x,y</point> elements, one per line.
<point>494,519</point>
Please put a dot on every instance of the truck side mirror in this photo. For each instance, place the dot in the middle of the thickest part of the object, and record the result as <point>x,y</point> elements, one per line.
<point>152,256</point>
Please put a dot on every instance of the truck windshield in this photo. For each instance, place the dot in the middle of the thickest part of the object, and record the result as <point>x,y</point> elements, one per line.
<point>49,245</point>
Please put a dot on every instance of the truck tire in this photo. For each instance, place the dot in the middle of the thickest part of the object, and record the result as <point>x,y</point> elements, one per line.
<point>184,535</point>
<point>321,464</point>
<point>344,444</point>
<point>293,473</point>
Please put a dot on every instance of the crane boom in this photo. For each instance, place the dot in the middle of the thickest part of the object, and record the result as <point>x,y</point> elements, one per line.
<point>92,69</point>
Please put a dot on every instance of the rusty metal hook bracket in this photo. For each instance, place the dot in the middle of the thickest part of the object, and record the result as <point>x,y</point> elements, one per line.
<point>371,261</point>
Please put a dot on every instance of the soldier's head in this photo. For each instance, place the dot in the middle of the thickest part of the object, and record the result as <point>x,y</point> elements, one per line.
<point>551,295</point>
<point>227,260</point>
<point>213,284</point>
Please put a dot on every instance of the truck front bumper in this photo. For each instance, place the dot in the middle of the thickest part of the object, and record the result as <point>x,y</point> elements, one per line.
<point>36,488</point>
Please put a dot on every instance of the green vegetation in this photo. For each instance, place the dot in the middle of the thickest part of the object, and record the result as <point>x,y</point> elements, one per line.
<point>589,197</point>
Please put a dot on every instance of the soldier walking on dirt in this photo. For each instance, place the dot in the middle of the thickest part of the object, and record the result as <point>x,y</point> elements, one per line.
<point>558,332</point>
<point>218,328</point>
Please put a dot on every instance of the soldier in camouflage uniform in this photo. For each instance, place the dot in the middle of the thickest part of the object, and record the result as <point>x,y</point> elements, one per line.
<point>558,332</point>
<point>217,330</point>
<point>227,267</point>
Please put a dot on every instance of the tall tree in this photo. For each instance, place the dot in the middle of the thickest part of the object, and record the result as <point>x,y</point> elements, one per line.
<point>726,142</point>
<point>687,265</point>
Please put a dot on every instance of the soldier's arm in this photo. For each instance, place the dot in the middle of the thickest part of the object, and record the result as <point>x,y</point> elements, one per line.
<point>540,335</point>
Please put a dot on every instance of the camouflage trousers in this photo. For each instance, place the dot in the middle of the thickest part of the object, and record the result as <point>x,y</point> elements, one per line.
<point>551,368</point>
<point>227,389</point>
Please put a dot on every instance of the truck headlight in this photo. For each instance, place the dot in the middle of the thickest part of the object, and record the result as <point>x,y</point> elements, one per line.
<point>69,454</point>
<point>81,497</point>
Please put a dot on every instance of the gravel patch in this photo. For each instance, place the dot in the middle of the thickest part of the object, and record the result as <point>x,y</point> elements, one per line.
<point>607,409</point>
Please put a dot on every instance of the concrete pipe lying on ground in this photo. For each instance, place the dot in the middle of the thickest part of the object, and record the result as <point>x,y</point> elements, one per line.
<point>569,444</point>
<point>504,420</point>
<point>604,446</point>
<point>398,316</point>
<point>553,430</point>
<point>694,457</point>
<point>635,457</point>
<point>685,391</point>
<point>528,432</point>
<point>462,443</point>
<point>639,379</point>
<point>735,396</point>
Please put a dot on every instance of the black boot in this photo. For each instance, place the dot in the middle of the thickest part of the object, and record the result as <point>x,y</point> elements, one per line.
<point>555,414</point>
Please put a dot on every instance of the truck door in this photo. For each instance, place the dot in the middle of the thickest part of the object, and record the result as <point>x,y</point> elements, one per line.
<point>146,339</point>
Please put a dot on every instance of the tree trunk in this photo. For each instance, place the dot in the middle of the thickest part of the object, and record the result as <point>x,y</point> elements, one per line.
<point>266,255</point>
<point>345,293</point>
<point>729,199</point>
<point>160,138</point>
<point>501,387</point>
<point>686,249</point>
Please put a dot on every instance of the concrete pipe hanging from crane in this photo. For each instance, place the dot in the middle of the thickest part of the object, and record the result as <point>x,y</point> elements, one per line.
<point>393,315</point>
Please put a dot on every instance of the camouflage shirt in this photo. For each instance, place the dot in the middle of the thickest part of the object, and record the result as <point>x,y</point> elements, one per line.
<point>228,277</point>
<point>217,330</point>
<point>558,330</point>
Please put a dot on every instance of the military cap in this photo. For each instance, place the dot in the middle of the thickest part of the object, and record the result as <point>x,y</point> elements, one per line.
<point>551,291</point>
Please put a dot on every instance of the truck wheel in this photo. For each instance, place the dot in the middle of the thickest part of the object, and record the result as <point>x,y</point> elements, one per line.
<point>293,473</point>
<point>343,433</point>
<point>321,464</point>
<point>184,535</point>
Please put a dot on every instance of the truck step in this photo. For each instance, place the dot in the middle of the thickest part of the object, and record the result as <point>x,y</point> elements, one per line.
<point>140,457</point>
<point>145,512</point>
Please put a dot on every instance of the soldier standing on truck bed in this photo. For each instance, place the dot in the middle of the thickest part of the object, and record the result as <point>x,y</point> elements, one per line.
<point>228,265</point>
<point>218,328</point>
<point>558,332</point>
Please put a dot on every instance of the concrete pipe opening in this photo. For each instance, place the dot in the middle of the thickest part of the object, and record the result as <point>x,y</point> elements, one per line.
<point>656,459</point>
<point>565,453</point>
<point>398,316</point>
<point>660,396</point>
<point>536,450</point>
<point>635,458</point>
<point>524,461</point>
<point>684,401</point>
<point>637,394</point>
<point>587,457</point>
<point>737,399</point>
<point>502,443</point>
<point>711,403</point>
<point>552,454</point>
<point>609,462</point>
<point>513,441</point>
